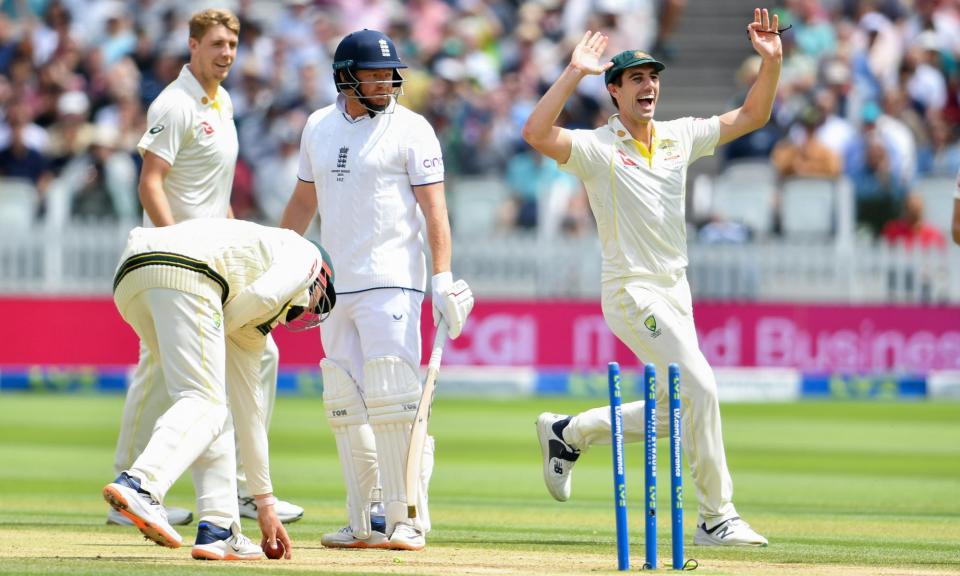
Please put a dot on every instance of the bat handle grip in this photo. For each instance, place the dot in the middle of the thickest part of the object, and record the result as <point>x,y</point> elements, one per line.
<point>438,340</point>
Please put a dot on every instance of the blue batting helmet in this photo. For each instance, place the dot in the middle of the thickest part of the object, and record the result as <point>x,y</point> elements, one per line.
<point>368,50</point>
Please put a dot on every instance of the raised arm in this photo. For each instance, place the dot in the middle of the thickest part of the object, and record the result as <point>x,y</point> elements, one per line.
<point>758,105</point>
<point>540,130</point>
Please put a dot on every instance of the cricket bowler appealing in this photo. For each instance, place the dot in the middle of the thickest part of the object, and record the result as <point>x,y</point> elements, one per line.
<point>635,170</point>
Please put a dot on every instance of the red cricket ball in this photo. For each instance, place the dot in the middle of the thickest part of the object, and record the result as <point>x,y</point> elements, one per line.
<point>274,552</point>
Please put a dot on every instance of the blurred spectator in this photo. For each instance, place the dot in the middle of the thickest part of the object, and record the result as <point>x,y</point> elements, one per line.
<point>276,175</point>
<point>901,152</point>
<point>18,159</point>
<point>99,183</point>
<point>877,191</point>
<point>910,229</point>
<point>803,155</point>
<point>925,83</point>
<point>669,13</point>
<point>19,114</point>
<point>943,156</point>
<point>815,35</point>
<point>72,134</point>
<point>538,186</point>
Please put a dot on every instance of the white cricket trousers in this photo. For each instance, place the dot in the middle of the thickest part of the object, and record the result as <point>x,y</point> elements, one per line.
<point>147,400</point>
<point>673,338</point>
<point>184,334</point>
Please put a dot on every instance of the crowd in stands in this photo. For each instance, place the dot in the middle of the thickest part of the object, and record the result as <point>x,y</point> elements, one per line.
<point>869,91</point>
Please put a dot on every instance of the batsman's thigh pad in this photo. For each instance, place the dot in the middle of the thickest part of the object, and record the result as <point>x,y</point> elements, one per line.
<point>356,445</point>
<point>392,388</point>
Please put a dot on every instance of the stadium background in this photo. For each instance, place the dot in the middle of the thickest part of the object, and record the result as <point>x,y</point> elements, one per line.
<point>800,288</point>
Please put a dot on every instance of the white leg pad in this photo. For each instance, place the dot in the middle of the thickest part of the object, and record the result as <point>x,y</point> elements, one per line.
<point>392,389</point>
<point>356,445</point>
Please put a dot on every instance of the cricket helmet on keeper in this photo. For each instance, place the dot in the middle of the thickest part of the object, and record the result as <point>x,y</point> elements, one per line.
<point>367,50</point>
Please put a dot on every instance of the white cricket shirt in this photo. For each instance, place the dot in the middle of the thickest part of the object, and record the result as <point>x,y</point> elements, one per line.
<point>197,137</point>
<point>638,198</point>
<point>364,171</point>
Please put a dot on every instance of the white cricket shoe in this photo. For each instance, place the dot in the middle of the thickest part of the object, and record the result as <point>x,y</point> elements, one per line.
<point>286,512</point>
<point>127,497</point>
<point>732,532</point>
<point>344,538</point>
<point>406,537</point>
<point>558,456</point>
<point>216,543</point>
<point>175,516</point>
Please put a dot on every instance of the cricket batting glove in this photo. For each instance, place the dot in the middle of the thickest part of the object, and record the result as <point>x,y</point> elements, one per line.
<point>452,301</point>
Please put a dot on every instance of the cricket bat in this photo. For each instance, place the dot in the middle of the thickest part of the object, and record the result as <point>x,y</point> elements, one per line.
<point>418,434</point>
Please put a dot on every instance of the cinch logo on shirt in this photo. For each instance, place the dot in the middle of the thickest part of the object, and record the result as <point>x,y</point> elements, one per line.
<point>206,127</point>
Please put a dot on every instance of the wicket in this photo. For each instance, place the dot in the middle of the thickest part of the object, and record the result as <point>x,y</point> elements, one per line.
<point>619,482</point>
<point>650,466</point>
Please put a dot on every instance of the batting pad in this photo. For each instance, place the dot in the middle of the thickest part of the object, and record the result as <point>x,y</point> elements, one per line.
<point>356,446</point>
<point>392,389</point>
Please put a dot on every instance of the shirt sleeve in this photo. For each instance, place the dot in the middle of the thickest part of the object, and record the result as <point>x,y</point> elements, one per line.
<point>424,157</point>
<point>585,154</point>
<point>296,263</point>
<point>704,134</point>
<point>169,130</point>
<point>305,167</point>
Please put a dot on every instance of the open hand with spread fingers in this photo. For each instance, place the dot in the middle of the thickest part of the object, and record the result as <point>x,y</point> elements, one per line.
<point>587,53</point>
<point>765,34</point>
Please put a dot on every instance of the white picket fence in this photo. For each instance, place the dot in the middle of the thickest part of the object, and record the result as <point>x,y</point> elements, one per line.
<point>81,259</point>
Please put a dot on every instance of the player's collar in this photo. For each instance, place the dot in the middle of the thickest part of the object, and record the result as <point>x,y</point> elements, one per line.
<point>342,107</point>
<point>620,131</point>
<point>625,137</point>
<point>195,90</point>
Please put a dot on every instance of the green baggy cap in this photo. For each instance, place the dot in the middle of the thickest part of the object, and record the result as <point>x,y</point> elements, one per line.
<point>629,59</point>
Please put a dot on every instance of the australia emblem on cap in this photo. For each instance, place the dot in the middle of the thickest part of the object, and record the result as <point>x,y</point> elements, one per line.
<point>640,54</point>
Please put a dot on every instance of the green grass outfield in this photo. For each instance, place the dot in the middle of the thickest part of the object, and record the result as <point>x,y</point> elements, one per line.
<point>838,488</point>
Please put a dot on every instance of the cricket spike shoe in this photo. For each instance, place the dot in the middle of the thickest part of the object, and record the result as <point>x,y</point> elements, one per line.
<point>407,537</point>
<point>730,532</point>
<point>175,516</point>
<point>216,543</point>
<point>558,456</point>
<point>286,512</point>
<point>345,538</point>
<point>136,504</point>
